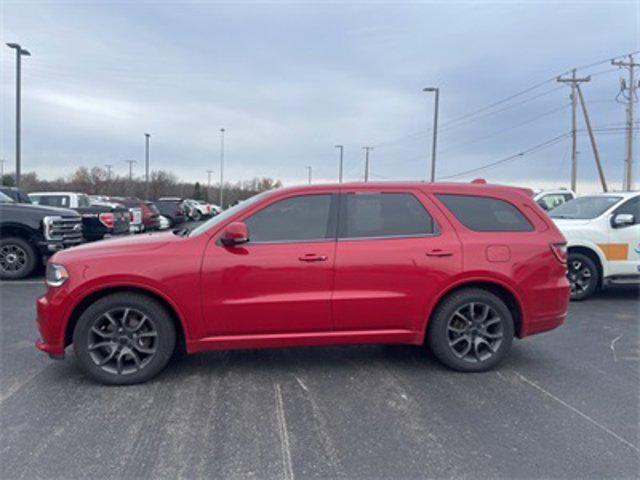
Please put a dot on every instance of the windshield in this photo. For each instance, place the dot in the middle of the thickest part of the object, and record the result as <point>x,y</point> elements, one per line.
<point>585,208</point>
<point>5,198</point>
<point>221,217</point>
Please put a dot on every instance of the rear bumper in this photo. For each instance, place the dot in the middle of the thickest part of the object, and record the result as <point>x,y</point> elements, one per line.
<point>547,308</point>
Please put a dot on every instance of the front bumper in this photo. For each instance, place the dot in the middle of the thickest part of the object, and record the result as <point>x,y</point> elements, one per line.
<point>51,328</point>
<point>49,247</point>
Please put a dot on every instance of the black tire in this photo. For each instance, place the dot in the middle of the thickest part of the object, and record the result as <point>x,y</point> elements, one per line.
<point>119,341</point>
<point>484,352</point>
<point>583,276</point>
<point>197,216</point>
<point>18,258</point>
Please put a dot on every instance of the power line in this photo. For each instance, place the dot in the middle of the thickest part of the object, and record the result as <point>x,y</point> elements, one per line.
<point>504,160</point>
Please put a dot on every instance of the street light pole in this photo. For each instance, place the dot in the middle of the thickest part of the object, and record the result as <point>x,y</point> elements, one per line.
<point>309,169</point>
<point>2,169</point>
<point>435,130</point>
<point>20,52</point>
<point>221,168</point>
<point>130,162</point>
<point>209,172</point>
<point>366,162</point>
<point>341,147</point>
<point>146,165</point>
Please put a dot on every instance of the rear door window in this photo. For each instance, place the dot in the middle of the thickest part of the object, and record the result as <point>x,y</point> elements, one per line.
<point>485,214</point>
<point>367,215</point>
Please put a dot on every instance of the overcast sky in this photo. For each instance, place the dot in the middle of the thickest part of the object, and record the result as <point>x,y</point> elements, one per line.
<point>288,81</point>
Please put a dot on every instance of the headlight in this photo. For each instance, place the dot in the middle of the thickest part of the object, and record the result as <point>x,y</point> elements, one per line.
<point>56,275</point>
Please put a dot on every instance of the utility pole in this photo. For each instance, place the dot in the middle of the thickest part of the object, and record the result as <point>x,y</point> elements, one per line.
<point>434,142</point>
<point>309,169</point>
<point>592,138</point>
<point>573,81</point>
<point>221,168</point>
<point>20,52</point>
<point>209,172</point>
<point>108,167</point>
<point>341,147</point>
<point>366,162</point>
<point>146,165</point>
<point>631,98</point>
<point>130,162</point>
<point>2,161</point>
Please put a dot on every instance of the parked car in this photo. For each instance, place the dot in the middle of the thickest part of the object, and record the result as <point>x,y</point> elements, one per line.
<point>461,267</point>
<point>198,209</point>
<point>603,235</point>
<point>137,209</point>
<point>29,234</point>
<point>15,194</point>
<point>99,220</point>
<point>551,198</point>
<point>172,209</point>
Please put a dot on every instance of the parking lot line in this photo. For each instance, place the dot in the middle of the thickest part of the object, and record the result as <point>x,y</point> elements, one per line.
<point>22,282</point>
<point>284,435</point>
<point>576,411</point>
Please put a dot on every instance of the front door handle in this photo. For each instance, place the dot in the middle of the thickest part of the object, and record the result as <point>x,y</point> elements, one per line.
<point>437,252</point>
<point>312,257</point>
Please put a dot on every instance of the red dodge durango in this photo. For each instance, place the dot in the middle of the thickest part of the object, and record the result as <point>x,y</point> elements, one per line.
<point>460,268</point>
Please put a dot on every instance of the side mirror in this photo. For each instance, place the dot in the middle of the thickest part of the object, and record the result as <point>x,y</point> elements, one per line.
<point>235,234</point>
<point>622,220</point>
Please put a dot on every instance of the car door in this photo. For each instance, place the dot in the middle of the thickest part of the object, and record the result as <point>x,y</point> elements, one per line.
<point>392,258</point>
<point>627,238</point>
<point>281,280</point>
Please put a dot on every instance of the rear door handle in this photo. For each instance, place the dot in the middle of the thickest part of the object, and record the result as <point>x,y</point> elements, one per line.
<point>436,252</point>
<point>312,257</point>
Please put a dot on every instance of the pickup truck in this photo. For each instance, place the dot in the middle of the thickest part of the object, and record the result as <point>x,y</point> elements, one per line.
<point>99,221</point>
<point>603,240</point>
<point>549,199</point>
<point>31,233</point>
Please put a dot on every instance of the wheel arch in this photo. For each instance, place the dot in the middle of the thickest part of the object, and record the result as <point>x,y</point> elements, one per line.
<point>593,255</point>
<point>508,296</point>
<point>92,297</point>
<point>17,230</point>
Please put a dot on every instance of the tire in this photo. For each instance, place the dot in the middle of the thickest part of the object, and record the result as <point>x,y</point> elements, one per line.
<point>447,328</point>
<point>197,216</point>
<point>18,258</point>
<point>132,349</point>
<point>583,276</point>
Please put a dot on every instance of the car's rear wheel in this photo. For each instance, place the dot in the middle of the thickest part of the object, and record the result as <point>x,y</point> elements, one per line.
<point>196,216</point>
<point>124,338</point>
<point>471,330</point>
<point>18,259</point>
<point>583,276</point>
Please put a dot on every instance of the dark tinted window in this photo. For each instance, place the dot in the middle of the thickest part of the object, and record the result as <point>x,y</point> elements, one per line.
<point>585,208</point>
<point>631,206</point>
<point>383,215</point>
<point>302,218</point>
<point>486,214</point>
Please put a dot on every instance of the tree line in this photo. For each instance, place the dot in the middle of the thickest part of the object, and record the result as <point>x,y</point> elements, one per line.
<point>96,181</point>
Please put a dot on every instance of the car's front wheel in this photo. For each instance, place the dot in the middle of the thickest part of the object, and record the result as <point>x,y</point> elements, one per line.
<point>583,276</point>
<point>18,259</point>
<point>124,338</point>
<point>471,330</point>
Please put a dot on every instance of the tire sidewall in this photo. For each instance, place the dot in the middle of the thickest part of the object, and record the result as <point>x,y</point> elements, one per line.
<point>148,306</point>
<point>32,258</point>
<point>595,275</point>
<point>437,337</point>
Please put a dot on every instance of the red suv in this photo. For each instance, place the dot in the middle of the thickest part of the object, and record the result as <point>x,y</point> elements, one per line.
<point>462,268</point>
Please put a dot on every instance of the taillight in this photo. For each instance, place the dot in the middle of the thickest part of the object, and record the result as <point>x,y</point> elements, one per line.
<point>106,219</point>
<point>560,251</point>
<point>131,216</point>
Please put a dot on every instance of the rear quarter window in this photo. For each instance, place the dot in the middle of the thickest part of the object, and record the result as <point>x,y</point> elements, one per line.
<point>485,214</point>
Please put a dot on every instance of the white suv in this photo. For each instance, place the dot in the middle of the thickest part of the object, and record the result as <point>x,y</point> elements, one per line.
<point>603,238</point>
<point>552,198</point>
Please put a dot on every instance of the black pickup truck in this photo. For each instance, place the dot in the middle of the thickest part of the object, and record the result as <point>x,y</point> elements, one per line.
<point>30,233</point>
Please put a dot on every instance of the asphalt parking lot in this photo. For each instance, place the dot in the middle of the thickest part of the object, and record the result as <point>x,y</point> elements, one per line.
<point>564,404</point>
